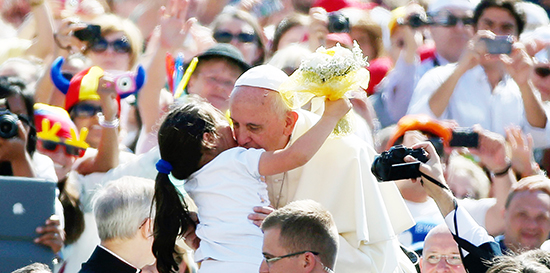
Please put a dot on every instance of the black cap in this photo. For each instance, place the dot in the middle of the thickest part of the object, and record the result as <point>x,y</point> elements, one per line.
<point>227,51</point>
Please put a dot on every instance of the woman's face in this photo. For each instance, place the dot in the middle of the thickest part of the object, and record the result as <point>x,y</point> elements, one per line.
<point>247,43</point>
<point>63,162</point>
<point>84,114</point>
<point>116,55</point>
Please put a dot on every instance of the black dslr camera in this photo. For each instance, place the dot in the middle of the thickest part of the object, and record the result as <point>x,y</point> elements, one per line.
<point>338,22</point>
<point>8,124</point>
<point>390,165</point>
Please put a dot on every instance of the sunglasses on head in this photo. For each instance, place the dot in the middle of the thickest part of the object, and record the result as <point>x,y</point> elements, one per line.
<point>227,37</point>
<point>52,146</point>
<point>542,71</point>
<point>119,46</point>
<point>84,110</point>
<point>450,20</point>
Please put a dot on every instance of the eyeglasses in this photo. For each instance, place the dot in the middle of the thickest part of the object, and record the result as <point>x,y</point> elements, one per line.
<point>271,261</point>
<point>453,259</point>
<point>542,71</point>
<point>119,46</point>
<point>52,146</point>
<point>451,20</point>
<point>227,37</point>
<point>84,110</point>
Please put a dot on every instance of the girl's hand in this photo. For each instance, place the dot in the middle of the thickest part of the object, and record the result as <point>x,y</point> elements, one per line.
<point>337,109</point>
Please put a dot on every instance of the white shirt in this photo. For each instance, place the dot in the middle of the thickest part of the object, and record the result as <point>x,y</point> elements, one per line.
<point>474,102</point>
<point>429,212</point>
<point>225,191</point>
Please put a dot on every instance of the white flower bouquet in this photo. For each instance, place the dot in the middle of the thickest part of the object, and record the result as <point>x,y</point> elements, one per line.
<point>329,73</point>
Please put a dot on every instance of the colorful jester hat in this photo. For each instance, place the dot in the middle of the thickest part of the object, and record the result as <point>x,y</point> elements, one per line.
<point>83,86</point>
<point>54,124</point>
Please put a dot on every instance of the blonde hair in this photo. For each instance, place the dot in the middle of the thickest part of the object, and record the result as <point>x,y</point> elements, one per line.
<point>480,181</point>
<point>111,23</point>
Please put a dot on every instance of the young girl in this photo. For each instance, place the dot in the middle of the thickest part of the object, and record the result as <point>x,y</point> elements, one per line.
<point>224,181</point>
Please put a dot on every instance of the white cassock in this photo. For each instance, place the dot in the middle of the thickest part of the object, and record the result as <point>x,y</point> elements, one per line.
<point>368,214</point>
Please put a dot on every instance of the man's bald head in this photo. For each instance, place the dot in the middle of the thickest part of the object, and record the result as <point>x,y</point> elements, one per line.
<point>439,249</point>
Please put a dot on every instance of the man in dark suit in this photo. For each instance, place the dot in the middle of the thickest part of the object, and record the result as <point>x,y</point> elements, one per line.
<point>124,225</point>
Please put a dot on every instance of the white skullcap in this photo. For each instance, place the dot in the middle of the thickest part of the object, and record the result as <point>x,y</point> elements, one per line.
<point>263,76</point>
<point>437,5</point>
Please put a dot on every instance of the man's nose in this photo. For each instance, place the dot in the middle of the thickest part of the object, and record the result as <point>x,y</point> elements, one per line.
<point>242,136</point>
<point>442,265</point>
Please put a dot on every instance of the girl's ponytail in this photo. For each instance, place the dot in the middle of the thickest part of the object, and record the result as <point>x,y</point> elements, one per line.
<point>171,219</point>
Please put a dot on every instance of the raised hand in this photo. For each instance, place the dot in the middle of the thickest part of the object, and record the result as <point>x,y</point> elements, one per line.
<point>174,24</point>
<point>337,109</point>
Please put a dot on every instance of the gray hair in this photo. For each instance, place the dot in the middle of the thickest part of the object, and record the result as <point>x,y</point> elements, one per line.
<point>121,207</point>
<point>34,268</point>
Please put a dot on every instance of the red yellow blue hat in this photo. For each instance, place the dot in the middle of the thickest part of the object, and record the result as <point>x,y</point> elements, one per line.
<point>54,123</point>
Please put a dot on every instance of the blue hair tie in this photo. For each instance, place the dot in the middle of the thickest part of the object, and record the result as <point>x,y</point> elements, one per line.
<point>164,166</point>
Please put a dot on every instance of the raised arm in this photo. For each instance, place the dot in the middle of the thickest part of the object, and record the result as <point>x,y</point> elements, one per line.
<point>107,152</point>
<point>168,37</point>
<point>466,232</point>
<point>303,149</point>
<point>520,66</point>
<point>439,100</point>
<point>43,45</point>
<point>492,154</point>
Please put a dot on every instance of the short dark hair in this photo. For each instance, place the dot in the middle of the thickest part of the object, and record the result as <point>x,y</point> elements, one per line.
<point>305,225</point>
<point>509,5</point>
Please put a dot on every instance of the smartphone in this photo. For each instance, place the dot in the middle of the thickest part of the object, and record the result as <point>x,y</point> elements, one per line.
<point>89,34</point>
<point>499,45</point>
<point>464,137</point>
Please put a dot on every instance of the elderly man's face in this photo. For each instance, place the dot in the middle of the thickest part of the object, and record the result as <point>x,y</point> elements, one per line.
<point>255,121</point>
<point>527,220</point>
<point>439,249</point>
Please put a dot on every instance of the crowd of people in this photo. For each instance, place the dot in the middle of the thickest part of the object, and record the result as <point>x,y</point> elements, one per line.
<point>168,128</point>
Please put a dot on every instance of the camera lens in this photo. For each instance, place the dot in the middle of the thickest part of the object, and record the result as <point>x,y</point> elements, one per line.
<point>8,125</point>
<point>338,23</point>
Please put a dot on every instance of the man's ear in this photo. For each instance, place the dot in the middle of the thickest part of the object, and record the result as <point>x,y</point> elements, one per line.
<point>309,262</point>
<point>146,229</point>
<point>290,121</point>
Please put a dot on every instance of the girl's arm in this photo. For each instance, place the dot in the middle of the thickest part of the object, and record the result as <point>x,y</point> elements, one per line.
<point>301,151</point>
